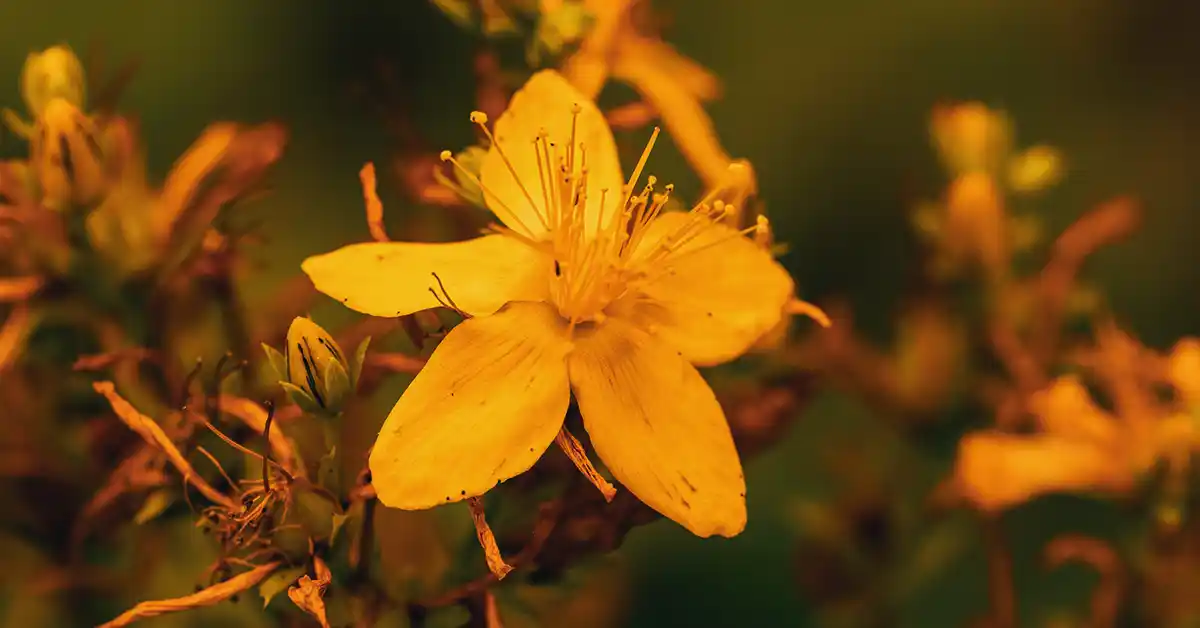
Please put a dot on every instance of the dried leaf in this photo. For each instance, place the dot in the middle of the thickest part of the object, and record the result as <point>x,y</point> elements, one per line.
<point>205,597</point>
<point>308,593</point>
<point>374,205</point>
<point>154,435</point>
<point>19,288</point>
<point>14,332</point>
<point>491,551</point>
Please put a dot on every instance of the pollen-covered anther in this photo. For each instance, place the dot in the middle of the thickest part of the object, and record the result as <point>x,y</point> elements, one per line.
<point>762,232</point>
<point>479,117</point>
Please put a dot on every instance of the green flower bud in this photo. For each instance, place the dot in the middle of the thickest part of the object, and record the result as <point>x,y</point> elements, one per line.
<point>313,370</point>
<point>51,74</point>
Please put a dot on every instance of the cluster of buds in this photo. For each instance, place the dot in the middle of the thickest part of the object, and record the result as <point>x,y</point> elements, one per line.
<point>971,224</point>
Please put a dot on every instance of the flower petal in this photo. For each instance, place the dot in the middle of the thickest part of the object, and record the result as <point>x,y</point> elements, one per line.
<point>658,427</point>
<point>545,103</point>
<point>711,304</point>
<point>487,404</point>
<point>395,278</point>
<point>1065,408</point>
<point>997,471</point>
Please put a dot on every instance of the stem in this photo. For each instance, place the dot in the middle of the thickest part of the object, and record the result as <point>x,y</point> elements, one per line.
<point>1000,580</point>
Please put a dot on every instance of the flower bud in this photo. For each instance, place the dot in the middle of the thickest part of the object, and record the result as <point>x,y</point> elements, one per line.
<point>67,158</point>
<point>970,137</point>
<point>1035,169</point>
<point>976,226</point>
<point>313,370</point>
<point>54,73</point>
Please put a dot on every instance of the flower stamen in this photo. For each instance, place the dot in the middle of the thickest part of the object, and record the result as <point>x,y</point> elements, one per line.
<point>480,119</point>
<point>444,298</point>
<point>448,156</point>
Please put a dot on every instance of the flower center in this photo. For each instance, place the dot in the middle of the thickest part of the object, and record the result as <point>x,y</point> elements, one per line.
<point>601,251</point>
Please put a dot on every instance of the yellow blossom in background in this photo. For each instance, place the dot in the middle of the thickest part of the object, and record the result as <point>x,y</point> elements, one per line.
<point>588,286</point>
<point>973,224</point>
<point>54,73</point>
<point>970,137</point>
<point>1080,447</point>
<point>1183,371</point>
<point>673,85</point>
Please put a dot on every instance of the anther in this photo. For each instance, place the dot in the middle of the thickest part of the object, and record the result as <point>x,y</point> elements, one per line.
<point>445,155</point>
<point>479,117</point>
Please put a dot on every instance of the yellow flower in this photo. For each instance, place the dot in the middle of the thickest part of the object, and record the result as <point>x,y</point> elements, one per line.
<point>1079,447</point>
<point>971,137</point>
<point>587,287</point>
<point>51,74</point>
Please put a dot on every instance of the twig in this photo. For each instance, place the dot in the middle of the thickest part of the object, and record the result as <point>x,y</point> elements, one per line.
<point>1000,583</point>
<point>548,516</point>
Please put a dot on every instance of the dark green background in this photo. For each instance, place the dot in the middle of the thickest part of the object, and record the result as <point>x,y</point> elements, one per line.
<point>829,100</point>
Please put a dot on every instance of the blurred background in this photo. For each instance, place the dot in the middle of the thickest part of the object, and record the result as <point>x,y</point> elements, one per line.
<point>830,101</point>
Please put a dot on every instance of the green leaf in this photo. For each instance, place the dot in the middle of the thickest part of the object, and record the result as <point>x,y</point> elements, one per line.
<point>360,356</point>
<point>314,513</point>
<point>395,618</point>
<point>454,616</point>
<point>339,520</point>
<point>277,361</point>
<point>278,582</point>
<point>301,398</point>
<point>156,504</point>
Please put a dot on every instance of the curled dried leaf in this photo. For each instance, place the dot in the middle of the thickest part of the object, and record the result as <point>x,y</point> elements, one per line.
<point>574,450</point>
<point>373,204</point>
<point>308,593</point>
<point>205,597</point>
<point>153,434</point>
<point>495,560</point>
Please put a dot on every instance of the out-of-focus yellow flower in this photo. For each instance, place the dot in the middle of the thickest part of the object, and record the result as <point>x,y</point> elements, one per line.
<point>587,286</point>
<point>52,74</point>
<point>970,137</point>
<point>1079,446</point>
<point>1183,371</point>
<point>672,84</point>
<point>138,225</point>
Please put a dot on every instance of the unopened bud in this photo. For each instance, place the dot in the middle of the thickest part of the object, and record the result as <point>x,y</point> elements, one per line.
<point>313,370</point>
<point>54,73</point>
<point>971,137</point>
